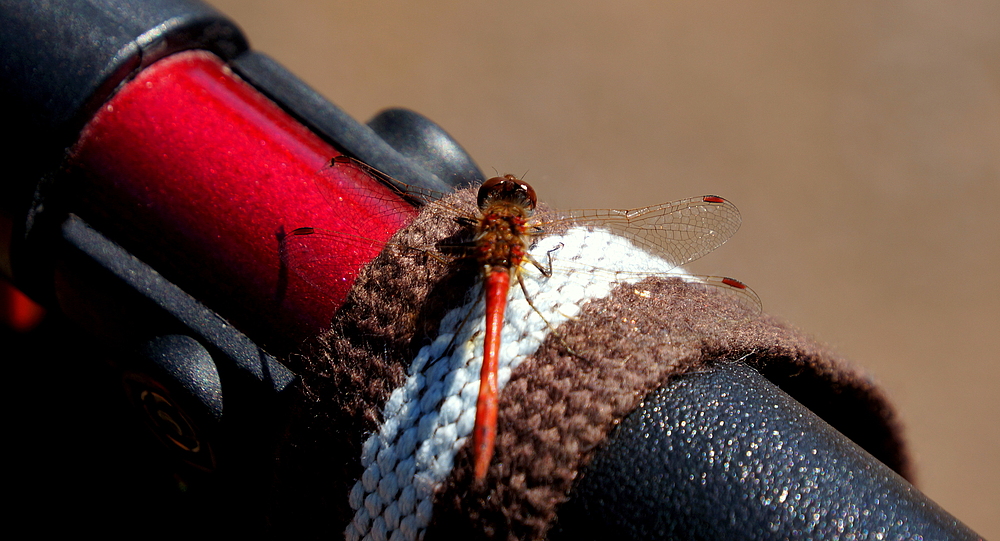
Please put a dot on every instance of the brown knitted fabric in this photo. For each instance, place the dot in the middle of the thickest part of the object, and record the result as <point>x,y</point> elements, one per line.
<point>558,406</point>
<point>347,373</point>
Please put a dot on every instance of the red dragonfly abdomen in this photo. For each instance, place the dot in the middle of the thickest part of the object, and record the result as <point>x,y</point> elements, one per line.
<point>497,285</point>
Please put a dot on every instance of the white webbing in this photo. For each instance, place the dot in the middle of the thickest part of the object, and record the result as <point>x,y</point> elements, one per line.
<point>428,419</point>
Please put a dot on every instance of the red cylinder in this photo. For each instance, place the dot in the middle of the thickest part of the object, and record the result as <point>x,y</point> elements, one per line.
<point>201,177</point>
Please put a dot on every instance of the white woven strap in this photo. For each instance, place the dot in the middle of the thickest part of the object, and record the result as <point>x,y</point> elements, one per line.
<point>427,420</point>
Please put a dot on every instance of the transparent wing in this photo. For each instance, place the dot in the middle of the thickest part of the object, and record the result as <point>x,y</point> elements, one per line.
<point>414,195</point>
<point>748,303</point>
<point>679,231</point>
<point>372,213</point>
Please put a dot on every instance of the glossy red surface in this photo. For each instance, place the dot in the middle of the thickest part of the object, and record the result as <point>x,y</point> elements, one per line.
<point>200,176</point>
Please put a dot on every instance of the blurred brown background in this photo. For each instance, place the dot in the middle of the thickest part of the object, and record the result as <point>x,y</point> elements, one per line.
<point>860,140</point>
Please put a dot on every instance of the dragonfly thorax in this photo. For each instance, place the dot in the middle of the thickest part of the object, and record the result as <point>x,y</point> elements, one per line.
<point>502,237</point>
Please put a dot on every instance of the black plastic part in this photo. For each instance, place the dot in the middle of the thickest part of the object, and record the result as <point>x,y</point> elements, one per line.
<point>190,365</point>
<point>85,464</point>
<point>149,305</point>
<point>447,167</point>
<point>179,363</point>
<point>725,454</point>
<point>424,142</point>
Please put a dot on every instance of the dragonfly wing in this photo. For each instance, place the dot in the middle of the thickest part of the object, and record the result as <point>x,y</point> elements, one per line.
<point>748,305</point>
<point>321,257</point>
<point>328,183</point>
<point>366,208</point>
<point>597,260</point>
<point>679,231</point>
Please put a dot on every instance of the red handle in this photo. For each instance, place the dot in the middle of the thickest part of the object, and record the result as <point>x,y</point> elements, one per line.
<point>199,175</point>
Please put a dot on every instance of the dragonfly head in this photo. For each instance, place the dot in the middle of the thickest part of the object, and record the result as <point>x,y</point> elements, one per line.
<point>507,188</point>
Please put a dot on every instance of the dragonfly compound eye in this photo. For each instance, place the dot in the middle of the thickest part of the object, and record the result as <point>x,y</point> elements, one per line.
<point>506,188</point>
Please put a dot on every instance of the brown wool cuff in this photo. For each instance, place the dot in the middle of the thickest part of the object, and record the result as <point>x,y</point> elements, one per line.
<point>557,407</point>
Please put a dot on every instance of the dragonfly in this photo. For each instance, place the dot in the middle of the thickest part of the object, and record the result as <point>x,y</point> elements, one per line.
<point>500,234</point>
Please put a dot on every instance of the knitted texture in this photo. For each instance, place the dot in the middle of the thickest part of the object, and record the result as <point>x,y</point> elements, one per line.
<point>557,408</point>
<point>428,419</point>
<point>377,440</point>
